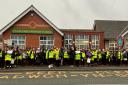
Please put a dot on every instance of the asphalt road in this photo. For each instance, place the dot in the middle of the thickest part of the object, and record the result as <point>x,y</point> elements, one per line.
<point>64,77</point>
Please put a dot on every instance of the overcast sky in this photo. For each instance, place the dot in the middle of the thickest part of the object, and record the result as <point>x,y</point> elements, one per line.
<point>67,14</point>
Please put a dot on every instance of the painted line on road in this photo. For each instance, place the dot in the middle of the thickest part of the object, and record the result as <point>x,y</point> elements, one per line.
<point>73,75</point>
<point>82,72</point>
<point>11,73</point>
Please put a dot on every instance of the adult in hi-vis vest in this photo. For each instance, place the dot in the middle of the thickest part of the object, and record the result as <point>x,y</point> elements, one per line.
<point>1,59</point>
<point>66,57</point>
<point>50,57</point>
<point>8,58</point>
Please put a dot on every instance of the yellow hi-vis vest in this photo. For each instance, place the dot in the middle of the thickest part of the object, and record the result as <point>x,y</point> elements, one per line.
<point>20,57</point>
<point>120,55</point>
<point>51,54</point>
<point>83,55</point>
<point>78,56</point>
<point>1,54</point>
<point>57,54</point>
<point>47,54</point>
<point>99,55</point>
<point>107,54</point>
<point>28,52</point>
<point>95,54</point>
<point>32,55</point>
<point>66,54</point>
<point>92,58</point>
<point>8,57</point>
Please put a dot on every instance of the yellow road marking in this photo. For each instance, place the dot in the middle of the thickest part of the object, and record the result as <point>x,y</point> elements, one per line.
<point>81,72</point>
<point>11,73</point>
<point>73,75</point>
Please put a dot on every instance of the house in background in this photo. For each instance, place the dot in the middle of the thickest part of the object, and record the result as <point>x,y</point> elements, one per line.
<point>112,29</point>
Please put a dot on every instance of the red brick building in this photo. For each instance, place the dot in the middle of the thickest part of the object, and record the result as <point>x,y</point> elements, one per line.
<point>32,29</point>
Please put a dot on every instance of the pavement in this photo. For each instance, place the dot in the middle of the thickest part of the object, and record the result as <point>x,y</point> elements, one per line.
<point>65,68</point>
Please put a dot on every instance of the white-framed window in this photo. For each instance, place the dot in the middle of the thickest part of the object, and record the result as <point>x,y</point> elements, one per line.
<point>95,41</point>
<point>68,40</point>
<point>18,41</point>
<point>82,41</point>
<point>112,44</point>
<point>46,42</point>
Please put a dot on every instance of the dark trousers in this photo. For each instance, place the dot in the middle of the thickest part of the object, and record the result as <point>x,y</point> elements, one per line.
<point>77,62</point>
<point>125,62</point>
<point>65,61</point>
<point>32,61</point>
<point>82,62</point>
<point>104,61</point>
<point>1,63</point>
<point>71,60</point>
<point>118,61</point>
<point>51,61</point>
<point>19,61</point>
<point>57,63</point>
<point>8,63</point>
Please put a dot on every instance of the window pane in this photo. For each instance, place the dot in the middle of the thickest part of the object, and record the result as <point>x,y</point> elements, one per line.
<point>21,42</point>
<point>18,40</point>
<point>46,42</point>
<point>81,41</point>
<point>95,41</point>
<point>68,39</point>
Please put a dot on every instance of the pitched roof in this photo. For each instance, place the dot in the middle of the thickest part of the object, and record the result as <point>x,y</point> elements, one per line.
<point>111,29</point>
<point>31,8</point>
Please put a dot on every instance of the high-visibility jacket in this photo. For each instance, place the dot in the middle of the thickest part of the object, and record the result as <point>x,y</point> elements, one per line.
<point>32,55</point>
<point>99,55</point>
<point>29,52</point>
<point>50,54</point>
<point>8,57</point>
<point>92,58</point>
<point>120,55</point>
<point>107,54</point>
<point>83,55</point>
<point>94,53</point>
<point>66,54</point>
<point>20,57</point>
<point>56,54</point>
<point>78,56</point>
<point>1,54</point>
<point>47,52</point>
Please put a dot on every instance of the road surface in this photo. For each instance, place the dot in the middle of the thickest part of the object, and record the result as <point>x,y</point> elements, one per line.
<point>64,77</point>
